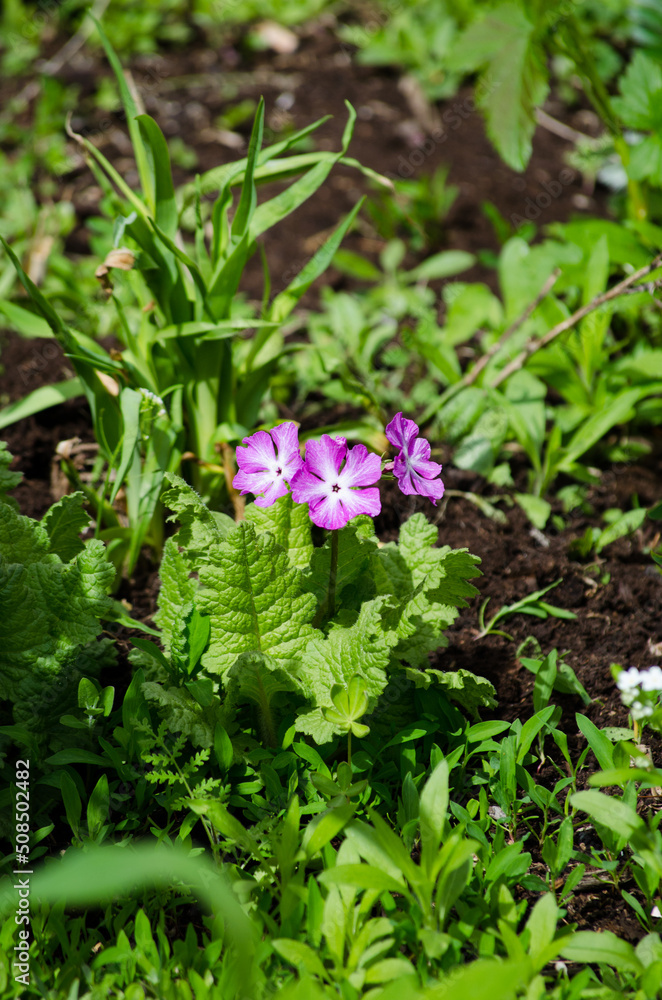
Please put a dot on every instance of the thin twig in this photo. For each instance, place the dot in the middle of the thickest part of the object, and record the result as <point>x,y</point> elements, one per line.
<point>471,376</point>
<point>567,324</point>
<point>560,128</point>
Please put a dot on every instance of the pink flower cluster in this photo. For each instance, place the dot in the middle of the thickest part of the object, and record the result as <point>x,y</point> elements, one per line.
<point>335,481</point>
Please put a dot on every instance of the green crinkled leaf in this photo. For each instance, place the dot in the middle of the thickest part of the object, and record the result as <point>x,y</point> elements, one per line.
<point>289,523</point>
<point>254,600</point>
<point>63,523</point>
<point>22,540</point>
<point>356,546</point>
<point>42,697</point>
<point>357,648</point>
<point>184,714</point>
<point>429,586</point>
<point>49,609</point>
<point>464,687</point>
<point>8,480</point>
<point>177,593</point>
<point>200,526</point>
<point>640,103</point>
<point>259,677</point>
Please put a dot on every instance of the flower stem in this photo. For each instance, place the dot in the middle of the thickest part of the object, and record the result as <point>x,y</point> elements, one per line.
<point>333,574</point>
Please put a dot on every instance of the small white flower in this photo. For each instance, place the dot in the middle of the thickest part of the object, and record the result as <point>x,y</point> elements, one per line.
<point>651,679</point>
<point>150,396</point>
<point>629,680</point>
<point>641,711</point>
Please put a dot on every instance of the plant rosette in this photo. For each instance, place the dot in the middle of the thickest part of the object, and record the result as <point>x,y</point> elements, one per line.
<point>311,636</point>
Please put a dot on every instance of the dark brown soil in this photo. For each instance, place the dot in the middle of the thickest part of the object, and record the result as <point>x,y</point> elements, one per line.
<point>618,603</point>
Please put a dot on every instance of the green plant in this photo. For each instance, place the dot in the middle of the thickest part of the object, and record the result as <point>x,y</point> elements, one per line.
<point>529,605</point>
<point>54,598</point>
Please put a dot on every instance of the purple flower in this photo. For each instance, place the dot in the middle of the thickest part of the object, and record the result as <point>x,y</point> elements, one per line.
<point>412,466</point>
<point>262,470</point>
<point>334,495</point>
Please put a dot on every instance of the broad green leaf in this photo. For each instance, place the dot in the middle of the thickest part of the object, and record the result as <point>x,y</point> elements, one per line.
<point>71,799</point>
<point>441,265</point>
<point>536,508</point>
<point>200,528</point>
<point>64,522</point>
<point>158,164</point>
<point>97,806</point>
<point>598,742</point>
<point>470,306</point>
<point>624,525</point>
<point>433,809</point>
<point>76,757</point>
<point>40,399</point>
<point>289,523</point>
<point>617,410</point>
<point>361,876</point>
<point>92,877</point>
<point>49,609</point>
<point>253,598</point>
<point>485,979</point>
<point>541,925</point>
<point>485,730</point>
<point>8,480</point>
<point>514,82</point>
<point>364,839</point>
<point>608,811</point>
<point>259,677</point>
<point>359,648</point>
<point>24,322</point>
<point>325,827</point>
<point>130,402</point>
<point>467,689</point>
<point>641,94</point>
<point>300,955</point>
<point>525,401</point>
<point>429,584</point>
<point>603,948</point>
<point>356,546</point>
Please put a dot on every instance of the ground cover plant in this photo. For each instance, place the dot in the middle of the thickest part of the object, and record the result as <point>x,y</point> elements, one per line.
<point>287,707</point>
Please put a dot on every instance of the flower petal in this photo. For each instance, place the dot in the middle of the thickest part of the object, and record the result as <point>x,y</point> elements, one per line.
<point>411,483</point>
<point>277,488</point>
<point>357,502</point>
<point>362,468</point>
<point>307,488</point>
<point>253,482</point>
<point>401,432</point>
<point>258,454</point>
<point>329,513</point>
<point>324,457</point>
<point>286,437</point>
